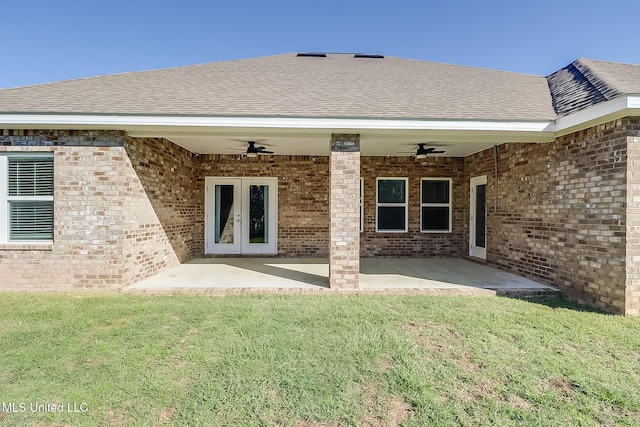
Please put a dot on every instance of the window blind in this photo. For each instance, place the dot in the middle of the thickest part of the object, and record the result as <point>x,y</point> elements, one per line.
<point>30,176</point>
<point>31,220</point>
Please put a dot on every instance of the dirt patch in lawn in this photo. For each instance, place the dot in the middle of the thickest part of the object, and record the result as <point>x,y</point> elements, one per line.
<point>378,412</point>
<point>391,413</point>
<point>562,386</point>
<point>383,411</point>
<point>166,415</point>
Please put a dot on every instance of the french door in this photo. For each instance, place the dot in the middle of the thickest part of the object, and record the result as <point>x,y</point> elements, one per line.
<point>478,219</point>
<point>241,215</point>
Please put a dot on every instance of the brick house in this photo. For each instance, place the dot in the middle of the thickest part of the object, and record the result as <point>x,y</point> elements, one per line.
<point>106,181</point>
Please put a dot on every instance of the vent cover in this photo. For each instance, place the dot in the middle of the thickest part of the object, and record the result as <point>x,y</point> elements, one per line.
<point>364,55</point>
<point>312,55</point>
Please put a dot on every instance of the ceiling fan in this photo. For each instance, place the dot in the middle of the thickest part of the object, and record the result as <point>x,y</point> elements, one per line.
<point>421,152</point>
<point>253,151</point>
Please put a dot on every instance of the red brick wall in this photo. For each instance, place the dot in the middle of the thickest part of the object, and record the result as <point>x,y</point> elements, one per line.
<point>561,211</point>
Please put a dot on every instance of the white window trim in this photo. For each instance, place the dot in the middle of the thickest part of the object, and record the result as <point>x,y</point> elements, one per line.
<point>5,199</point>
<point>448,205</point>
<point>405,205</point>
<point>361,204</point>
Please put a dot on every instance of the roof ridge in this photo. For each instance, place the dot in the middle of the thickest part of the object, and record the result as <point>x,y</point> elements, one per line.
<point>584,58</point>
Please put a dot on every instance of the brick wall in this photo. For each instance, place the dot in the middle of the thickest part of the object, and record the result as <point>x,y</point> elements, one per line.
<point>561,211</point>
<point>632,294</point>
<point>303,197</point>
<point>414,243</point>
<point>107,233</point>
<point>85,253</point>
<point>167,175</point>
<point>164,221</point>
<point>50,138</point>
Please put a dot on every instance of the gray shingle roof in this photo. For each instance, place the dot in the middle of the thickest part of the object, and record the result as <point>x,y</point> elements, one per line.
<point>337,86</point>
<point>586,82</point>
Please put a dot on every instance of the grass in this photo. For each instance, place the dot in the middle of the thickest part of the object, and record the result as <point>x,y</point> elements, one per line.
<point>315,361</point>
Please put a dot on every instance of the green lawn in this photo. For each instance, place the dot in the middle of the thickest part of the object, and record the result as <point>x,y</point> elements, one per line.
<point>315,361</point>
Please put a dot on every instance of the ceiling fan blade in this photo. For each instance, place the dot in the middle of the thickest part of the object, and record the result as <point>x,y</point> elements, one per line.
<point>264,152</point>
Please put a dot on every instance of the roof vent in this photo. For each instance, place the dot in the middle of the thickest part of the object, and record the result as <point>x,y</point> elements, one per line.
<point>312,55</point>
<point>364,55</point>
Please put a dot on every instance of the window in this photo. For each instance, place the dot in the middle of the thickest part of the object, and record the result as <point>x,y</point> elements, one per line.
<point>391,208</point>
<point>435,205</point>
<point>26,197</point>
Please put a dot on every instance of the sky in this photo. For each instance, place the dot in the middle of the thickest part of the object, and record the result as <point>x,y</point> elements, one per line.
<point>45,41</point>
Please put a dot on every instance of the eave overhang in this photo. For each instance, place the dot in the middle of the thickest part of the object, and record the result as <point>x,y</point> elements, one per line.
<point>310,136</point>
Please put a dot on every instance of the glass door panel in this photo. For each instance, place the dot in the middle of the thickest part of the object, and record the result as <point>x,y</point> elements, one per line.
<point>481,215</point>
<point>258,214</point>
<point>478,217</point>
<point>224,214</point>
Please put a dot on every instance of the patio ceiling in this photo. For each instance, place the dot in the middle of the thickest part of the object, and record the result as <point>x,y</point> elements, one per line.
<point>315,142</point>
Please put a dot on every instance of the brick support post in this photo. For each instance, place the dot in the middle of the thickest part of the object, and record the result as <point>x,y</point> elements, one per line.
<point>632,288</point>
<point>344,222</point>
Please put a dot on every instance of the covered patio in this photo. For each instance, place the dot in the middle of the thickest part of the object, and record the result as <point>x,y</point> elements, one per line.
<point>431,276</point>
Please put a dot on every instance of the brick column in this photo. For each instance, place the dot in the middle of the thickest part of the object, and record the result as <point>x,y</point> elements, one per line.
<point>344,212</point>
<point>632,285</point>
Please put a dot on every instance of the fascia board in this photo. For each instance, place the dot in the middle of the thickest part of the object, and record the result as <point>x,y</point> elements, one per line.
<point>143,125</point>
<point>183,123</point>
<point>627,105</point>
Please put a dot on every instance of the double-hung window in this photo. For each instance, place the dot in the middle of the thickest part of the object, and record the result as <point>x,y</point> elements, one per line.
<point>26,197</point>
<point>435,205</point>
<point>391,206</point>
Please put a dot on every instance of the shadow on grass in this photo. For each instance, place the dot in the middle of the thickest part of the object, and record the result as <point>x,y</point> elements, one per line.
<point>559,302</point>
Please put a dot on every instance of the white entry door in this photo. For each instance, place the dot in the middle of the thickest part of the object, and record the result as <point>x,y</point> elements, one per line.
<point>241,215</point>
<point>478,220</point>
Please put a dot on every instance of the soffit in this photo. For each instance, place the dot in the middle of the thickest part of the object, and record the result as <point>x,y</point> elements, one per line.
<point>372,143</point>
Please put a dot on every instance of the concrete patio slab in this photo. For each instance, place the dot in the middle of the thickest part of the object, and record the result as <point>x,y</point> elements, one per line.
<point>220,276</point>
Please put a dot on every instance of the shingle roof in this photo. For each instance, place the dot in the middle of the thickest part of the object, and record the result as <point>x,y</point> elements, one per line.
<point>337,86</point>
<point>586,82</point>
